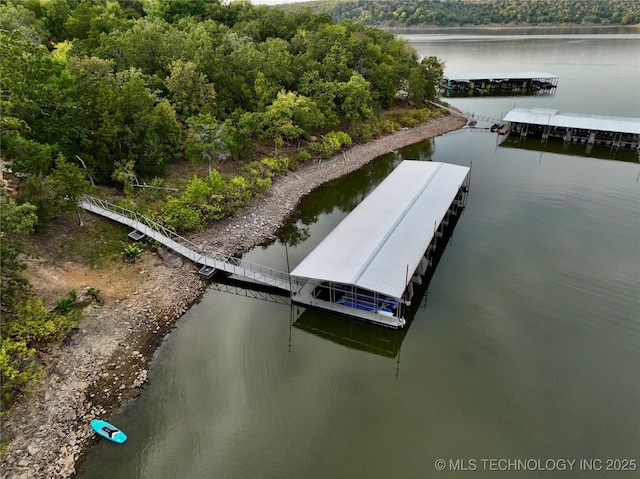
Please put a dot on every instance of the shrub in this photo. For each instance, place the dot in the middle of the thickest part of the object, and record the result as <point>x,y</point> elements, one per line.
<point>302,157</point>
<point>423,114</point>
<point>65,305</point>
<point>131,251</point>
<point>179,216</point>
<point>95,294</point>
<point>257,169</point>
<point>238,194</point>
<point>362,132</point>
<point>276,165</point>
<point>214,209</point>
<point>196,193</point>
<point>390,126</point>
<point>17,368</point>
<point>34,324</point>
<point>331,143</point>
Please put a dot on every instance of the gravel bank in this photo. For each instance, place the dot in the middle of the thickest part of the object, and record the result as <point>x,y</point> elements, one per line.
<point>259,221</point>
<point>104,362</point>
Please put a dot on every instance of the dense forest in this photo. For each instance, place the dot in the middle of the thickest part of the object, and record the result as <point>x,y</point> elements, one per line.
<point>411,13</point>
<point>106,96</point>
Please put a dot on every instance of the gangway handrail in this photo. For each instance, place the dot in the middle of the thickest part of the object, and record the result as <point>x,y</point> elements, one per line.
<point>466,114</point>
<point>132,215</point>
<point>487,119</point>
<point>230,264</point>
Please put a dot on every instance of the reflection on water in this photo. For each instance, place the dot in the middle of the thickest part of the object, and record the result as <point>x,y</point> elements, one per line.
<point>249,290</point>
<point>551,34</point>
<point>496,92</point>
<point>566,148</point>
<point>368,337</point>
<point>350,332</point>
<point>344,194</point>
<point>506,35</point>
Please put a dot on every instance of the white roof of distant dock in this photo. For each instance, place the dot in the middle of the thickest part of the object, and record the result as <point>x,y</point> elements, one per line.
<point>388,231</point>
<point>499,76</point>
<point>551,117</point>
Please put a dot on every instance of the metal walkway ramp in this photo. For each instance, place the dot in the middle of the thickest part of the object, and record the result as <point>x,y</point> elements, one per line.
<point>236,266</point>
<point>466,114</point>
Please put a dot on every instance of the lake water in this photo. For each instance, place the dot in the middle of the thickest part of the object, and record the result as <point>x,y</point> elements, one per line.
<point>524,347</point>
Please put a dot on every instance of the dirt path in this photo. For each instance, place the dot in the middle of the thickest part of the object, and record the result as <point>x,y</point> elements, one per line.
<point>104,362</point>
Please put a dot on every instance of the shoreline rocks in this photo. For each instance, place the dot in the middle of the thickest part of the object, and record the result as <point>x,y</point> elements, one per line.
<point>84,378</point>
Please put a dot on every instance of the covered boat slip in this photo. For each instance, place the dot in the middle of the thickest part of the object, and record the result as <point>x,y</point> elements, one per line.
<point>612,131</point>
<point>526,83</point>
<point>365,266</point>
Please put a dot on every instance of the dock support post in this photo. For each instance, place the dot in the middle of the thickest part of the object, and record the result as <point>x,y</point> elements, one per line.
<point>545,134</point>
<point>568,134</point>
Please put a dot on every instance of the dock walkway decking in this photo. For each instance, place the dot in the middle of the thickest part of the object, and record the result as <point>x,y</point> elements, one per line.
<point>236,266</point>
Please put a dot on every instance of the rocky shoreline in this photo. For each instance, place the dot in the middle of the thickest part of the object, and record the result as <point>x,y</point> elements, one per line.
<point>103,363</point>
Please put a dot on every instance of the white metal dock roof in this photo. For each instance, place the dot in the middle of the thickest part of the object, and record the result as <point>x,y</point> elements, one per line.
<point>551,117</point>
<point>388,231</point>
<point>499,76</point>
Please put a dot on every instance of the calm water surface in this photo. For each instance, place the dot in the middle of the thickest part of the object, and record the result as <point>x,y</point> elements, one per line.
<point>524,347</point>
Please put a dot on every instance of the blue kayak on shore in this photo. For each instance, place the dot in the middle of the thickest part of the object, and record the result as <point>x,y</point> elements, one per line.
<point>108,431</point>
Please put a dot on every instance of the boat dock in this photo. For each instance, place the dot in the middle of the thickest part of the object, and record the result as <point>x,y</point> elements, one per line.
<point>546,123</point>
<point>499,83</point>
<point>367,265</point>
<point>209,263</point>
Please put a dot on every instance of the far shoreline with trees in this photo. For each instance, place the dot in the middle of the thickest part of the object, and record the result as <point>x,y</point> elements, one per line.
<point>476,13</point>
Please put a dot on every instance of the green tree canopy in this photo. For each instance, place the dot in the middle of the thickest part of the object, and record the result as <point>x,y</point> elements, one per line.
<point>207,139</point>
<point>409,13</point>
<point>190,92</point>
<point>120,83</point>
<point>18,221</point>
<point>288,118</point>
<point>355,99</point>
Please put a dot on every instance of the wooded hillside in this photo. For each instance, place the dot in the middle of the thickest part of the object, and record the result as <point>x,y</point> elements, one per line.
<point>411,13</point>
<point>119,83</point>
<point>97,93</point>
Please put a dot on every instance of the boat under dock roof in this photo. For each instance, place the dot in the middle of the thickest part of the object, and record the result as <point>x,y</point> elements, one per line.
<point>377,248</point>
<point>499,83</point>
<point>553,118</point>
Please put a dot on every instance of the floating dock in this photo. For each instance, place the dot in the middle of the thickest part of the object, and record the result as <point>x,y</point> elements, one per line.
<point>514,83</point>
<point>618,132</point>
<point>366,267</point>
